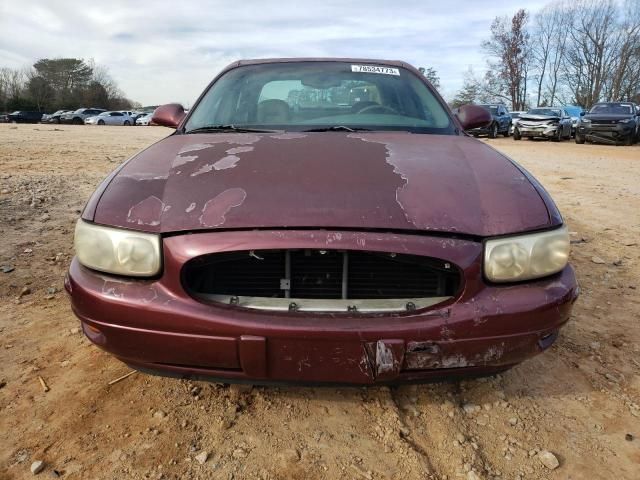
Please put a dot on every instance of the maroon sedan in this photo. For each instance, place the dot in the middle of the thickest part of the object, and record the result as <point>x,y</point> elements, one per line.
<point>321,220</point>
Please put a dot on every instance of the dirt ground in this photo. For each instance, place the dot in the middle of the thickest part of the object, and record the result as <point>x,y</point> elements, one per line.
<point>580,400</point>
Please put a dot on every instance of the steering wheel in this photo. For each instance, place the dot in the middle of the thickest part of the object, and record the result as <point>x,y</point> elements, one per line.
<point>380,108</point>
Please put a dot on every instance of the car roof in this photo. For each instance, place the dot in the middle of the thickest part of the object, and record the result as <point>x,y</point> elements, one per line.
<point>261,61</point>
<point>255,61</point>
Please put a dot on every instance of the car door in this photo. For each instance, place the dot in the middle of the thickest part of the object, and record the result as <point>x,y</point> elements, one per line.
<point>116,118</point>
<point>566,123</point>
<point>503,119</point>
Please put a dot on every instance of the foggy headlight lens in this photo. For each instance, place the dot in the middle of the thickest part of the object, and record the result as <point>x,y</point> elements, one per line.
<point>112,250</point>
<point>526,257</point>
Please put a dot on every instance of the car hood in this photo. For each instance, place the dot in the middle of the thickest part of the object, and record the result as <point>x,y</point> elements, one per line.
<point>538,118</point>
<point>390,181</point>
<point>601,117</point>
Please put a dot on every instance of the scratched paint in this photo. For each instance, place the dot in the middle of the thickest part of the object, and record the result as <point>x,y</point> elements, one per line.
<point>227,162</point>
<point>288,136</point>
<point>147,212</point>
<point>214,211</point>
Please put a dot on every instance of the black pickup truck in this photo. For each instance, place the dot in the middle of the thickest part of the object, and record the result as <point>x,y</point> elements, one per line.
<point>612,122</point>
<point>23,116</point>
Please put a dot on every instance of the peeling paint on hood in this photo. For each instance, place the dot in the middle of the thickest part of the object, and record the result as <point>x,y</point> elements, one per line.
<point>382,180</point>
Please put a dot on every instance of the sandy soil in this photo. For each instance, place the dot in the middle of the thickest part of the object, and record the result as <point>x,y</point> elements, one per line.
<point>579,400</point>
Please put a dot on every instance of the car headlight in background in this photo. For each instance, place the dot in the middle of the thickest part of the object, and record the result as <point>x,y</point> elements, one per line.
<point>626,120</point>
<point>114,250</point>
<point>524,257</point>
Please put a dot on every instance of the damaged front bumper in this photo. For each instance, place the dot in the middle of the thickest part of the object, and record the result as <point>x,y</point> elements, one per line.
<point>545,131</point>
<point>156,325</point>
<point>610,134</point>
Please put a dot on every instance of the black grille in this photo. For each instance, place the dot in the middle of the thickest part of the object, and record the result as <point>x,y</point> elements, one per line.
<point>320,274</point>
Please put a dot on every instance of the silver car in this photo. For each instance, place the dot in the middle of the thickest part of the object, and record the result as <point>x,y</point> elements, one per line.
<point>514,119</point>
<point>78,117</point>
<point>144,119</point>
<point>553,123</point>
<point>110,118</point>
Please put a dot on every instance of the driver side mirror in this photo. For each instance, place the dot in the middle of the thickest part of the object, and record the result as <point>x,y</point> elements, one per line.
<point>169,115</point>
<point>582,114</point>
<point>473,116</point>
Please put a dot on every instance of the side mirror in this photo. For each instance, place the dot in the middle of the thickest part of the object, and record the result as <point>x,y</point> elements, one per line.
<point>473,116</point>
<point>169,115</point>
<point>582,114</point>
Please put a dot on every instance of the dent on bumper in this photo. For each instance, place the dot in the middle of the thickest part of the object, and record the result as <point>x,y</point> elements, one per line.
<point>156,325</point>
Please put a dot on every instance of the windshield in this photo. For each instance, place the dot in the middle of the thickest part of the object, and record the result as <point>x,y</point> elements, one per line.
<point>544,111</point>
<point>612,109</point>
<point>314,95</point>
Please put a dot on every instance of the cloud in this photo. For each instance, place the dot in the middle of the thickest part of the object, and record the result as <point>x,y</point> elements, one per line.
<point>161,51</point>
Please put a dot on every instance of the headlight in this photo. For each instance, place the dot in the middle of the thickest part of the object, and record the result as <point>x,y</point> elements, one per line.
<point>524,257</point>
<point>112,250</point>
<point>626,120</point>
<point>585,120</point>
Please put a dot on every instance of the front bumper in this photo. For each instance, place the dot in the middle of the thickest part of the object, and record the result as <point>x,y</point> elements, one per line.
<point>155,325</point>
<point>610,133</point>
<point>546,131</point>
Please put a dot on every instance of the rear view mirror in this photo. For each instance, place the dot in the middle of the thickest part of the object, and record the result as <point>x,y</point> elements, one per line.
<point>169,115</point>
<point>473,116</point>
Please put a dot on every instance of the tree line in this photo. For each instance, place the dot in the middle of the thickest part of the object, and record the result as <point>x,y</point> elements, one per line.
<point>60,83</point>
<point>573,52</point>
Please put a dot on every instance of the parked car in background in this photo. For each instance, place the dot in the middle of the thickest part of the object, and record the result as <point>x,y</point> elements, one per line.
<point>515,115</point>
<point>54,117</point>
<point>24,116</point>
<point>575,112</point>
<point>110,118</point>
<point>544,122</point>
<point>246,245</point>
<point>144,119</point>
<point>136,115</point>
<point>612,122</point>
<point>78,116</point>
<point>4,117</point>
<point>500,124</point>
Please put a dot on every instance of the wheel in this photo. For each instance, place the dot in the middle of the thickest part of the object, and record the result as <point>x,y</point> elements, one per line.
<point>516,134</point>
<point>77,121</point>
<point>100,122</point>
<point>579,139</point>
<point>56,120</point>
<point>558,136</point>
<point>628,141</point>
<point>127,123</point>
<point>493,133</point>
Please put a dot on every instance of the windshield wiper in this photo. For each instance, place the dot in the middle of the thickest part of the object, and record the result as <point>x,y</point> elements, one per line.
<point>338,128</point>
<point>230,128</point>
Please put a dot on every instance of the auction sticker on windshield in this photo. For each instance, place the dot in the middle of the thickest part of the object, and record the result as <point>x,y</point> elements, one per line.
<point>375,69</point>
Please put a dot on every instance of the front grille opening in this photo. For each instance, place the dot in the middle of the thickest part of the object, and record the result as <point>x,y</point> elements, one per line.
<point>320,274</point>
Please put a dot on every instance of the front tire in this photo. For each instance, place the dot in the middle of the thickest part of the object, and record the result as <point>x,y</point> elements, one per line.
<point>493,133</point>
<point>56,120</point>
<point>516,134</point>
<point>579,139</point>
<point>127,123</point>
<point>100,122</point>
<point>77,121</point>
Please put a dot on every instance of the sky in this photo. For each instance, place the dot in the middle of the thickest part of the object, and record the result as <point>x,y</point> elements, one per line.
<point>166,51</point>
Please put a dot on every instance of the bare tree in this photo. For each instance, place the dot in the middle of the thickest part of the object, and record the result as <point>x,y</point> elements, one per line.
<point>548,49</point>
<point>592,53</point>
<point>509,47</point>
